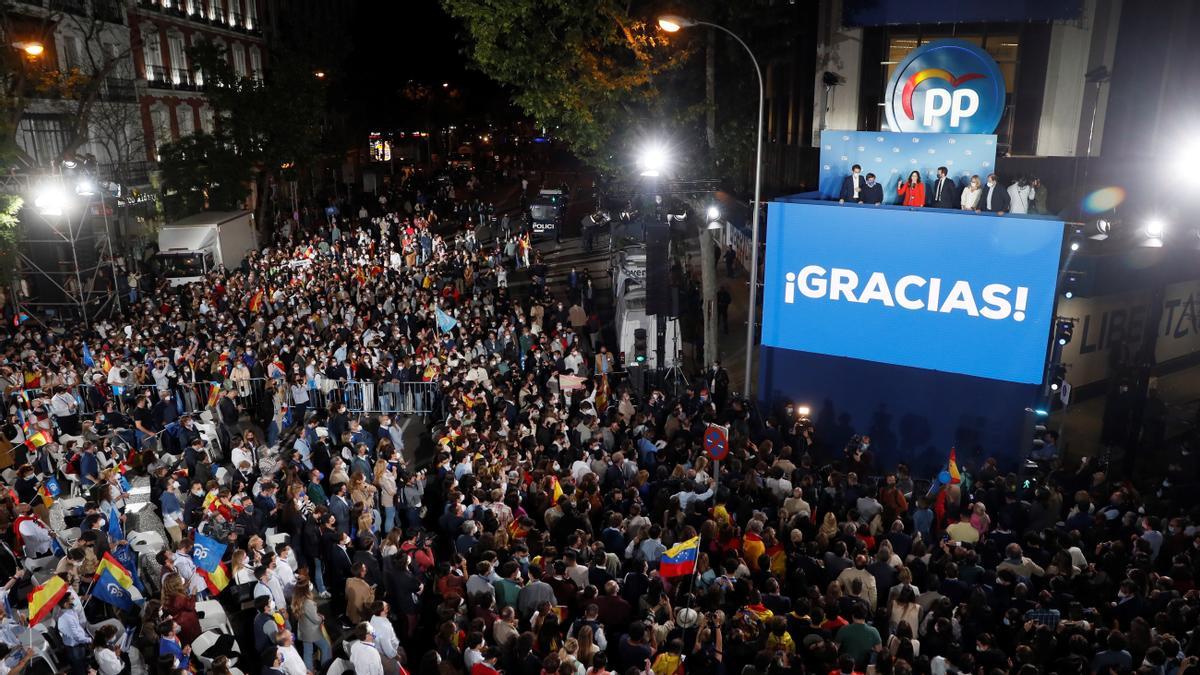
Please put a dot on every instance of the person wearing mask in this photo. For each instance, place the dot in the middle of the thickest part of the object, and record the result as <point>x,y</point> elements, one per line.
<point>385,637</point>
<point>971,194</point>
<point>943,194</point>
<point>994,198</point>
<point>872,191</point>
<point>1019,196</point>
<point>364,655</point>
<point>72,626</point>
<point>852,186</point>
<point>911,191</point>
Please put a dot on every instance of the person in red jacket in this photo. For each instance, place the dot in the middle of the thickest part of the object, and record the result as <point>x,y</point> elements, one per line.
<point>912,192</point>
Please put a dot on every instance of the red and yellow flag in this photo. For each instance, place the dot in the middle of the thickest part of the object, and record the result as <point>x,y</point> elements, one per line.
<point>952,467</point>
<point>216,580</point>
<point>256,300</point>
<point>116,569</point>
<point>556,491</point>
<point>105,364</point>
<point>43,599</point>
<point>214,393</point>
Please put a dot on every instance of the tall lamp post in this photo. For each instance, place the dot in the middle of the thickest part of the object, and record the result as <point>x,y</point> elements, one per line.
<point>672,23</point>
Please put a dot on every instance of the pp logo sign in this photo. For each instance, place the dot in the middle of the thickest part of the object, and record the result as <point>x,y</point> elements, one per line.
<point>948,86</point>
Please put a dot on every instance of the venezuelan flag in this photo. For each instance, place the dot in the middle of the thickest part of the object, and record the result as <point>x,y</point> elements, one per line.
<point>43,599</point>
<point>680,559</point>
<point>116,569</point>
<point>216,580</point>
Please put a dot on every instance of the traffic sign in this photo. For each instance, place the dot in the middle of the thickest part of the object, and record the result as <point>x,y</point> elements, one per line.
<point>716,442</point>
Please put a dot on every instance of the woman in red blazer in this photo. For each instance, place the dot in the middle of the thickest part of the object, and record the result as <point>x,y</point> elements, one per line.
<point>912,193</point>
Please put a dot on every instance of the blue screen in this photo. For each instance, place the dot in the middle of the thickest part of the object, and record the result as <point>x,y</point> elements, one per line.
<point>956,292</point>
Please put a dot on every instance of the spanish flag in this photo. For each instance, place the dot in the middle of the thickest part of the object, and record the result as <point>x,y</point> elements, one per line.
<point>47,498</point>
<point>952,467</point>
<point>105,364</point>
<point>256,300</point>
<point>33,379</point>
<point>214,393</point>
<point>556,491</point>
<point>43,599</point>
<point>602,394</point>
<point>36,440</point>
<point>116,569</point>
<point>680,559</point>
<point>516,530</point>
<point>216,580</point>
<point>778,557</point>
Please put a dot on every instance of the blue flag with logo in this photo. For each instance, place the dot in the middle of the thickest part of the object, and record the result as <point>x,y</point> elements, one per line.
<point>124,482</point>
<point>207,553</point>
<point>52,487</point>
<point>115,533</point>
<point>446,323</point>
<point>87,356</point>
<point>108,589</point>
<point>128,559</point>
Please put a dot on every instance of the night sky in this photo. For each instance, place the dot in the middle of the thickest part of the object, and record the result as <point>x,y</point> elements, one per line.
<point>394,42</point>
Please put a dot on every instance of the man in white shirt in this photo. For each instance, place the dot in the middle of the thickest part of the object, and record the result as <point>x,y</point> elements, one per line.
<point>364,655</point>
<point>1019,194</point>
<point>285,574</point>
<point>185,567</point>
<point>268,584</point>
<point>292,662</point>
<point>385,637</point>
<point>34,534</point>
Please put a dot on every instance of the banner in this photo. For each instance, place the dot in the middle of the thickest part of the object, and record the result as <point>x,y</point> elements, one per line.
<point>207,553</point>
<point>940,290</point>
<point>108,589</point>
<point>892,156</point>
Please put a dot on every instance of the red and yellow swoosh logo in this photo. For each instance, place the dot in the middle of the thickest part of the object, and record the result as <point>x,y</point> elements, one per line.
<point>920,76</point>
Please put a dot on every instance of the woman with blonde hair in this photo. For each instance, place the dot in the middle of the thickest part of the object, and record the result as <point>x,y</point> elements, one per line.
<point>309,626</point>
<point>241,572</point>
<point>586,637</point>
<point>980,520</point>
<point>568,655</point>
<point>179,604</point>
<point>828,530</point>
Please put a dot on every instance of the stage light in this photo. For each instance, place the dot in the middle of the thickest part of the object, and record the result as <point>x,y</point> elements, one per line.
<point>1155,228</point>
<point>714,213</point>
<point>1074,246</point>
<point>1064,330</point>
<point>803,411</point>
<point>652,160</point>
<point>320,74</point>
<point>1068,295</point>
<point>1040,413</point>
<point>1100,229</point>
<point>445,85</point>
<point>85,187</point>
<point>51,200</point>
<point>1053,386</point>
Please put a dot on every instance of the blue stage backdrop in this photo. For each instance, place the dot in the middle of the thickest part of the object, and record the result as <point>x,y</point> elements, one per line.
<point>925,328</point>
<point>891,156</point>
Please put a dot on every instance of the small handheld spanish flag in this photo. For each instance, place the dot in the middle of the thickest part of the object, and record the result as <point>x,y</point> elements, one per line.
<point>43,599</point>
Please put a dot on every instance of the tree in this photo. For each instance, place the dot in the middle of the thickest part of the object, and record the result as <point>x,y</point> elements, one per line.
<point>268,123</point>
<point>99,48</point>
<point>203,172</point>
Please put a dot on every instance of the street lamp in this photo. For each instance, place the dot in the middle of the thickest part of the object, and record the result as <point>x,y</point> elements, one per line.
<point>672,23</point>
<point>320,74</point>
<point>653,160</point>
<point>30,47</point>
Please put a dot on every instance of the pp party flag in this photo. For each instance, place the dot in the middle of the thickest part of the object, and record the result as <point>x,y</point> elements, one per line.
<point>115,533</point>
<point>128,559</point>
<point>216,580</point>
<point>680,559</point>
<point>108,589</point>
<point>43,599</point>
<point>214,393</point>
<point>126,487</point>
<point>48,491</point>
<point>113,567</point>
<point>207,552</point>
<point>952,467</point>
<point>445,322</point>
<point>87,356</point>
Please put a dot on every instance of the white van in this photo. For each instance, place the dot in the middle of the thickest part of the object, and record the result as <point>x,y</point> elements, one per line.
<point>631,316</point>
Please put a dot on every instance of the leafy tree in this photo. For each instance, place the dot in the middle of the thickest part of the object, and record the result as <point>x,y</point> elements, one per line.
<point>268,124</point>
<point>203,172</point>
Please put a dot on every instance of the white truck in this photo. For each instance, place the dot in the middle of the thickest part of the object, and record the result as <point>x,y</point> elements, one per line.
<point>191,248</point>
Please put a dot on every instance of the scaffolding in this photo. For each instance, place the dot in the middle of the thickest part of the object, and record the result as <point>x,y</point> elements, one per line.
<point>65,269</point>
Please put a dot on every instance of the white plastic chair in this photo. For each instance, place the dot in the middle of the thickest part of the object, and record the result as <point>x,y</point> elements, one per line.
<point>213,617</point>
<point>339,667</point>
<point>148,540</point>
<point>68,537</point>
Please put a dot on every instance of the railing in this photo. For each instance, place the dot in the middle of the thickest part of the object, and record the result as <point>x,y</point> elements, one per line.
<point>161,77</point>
<point>118,89</point>
<point>391,398</point>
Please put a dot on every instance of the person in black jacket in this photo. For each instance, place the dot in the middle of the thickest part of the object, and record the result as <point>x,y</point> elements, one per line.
<point>942,193</point>
<point>994,198</point>
<point>852,186</point>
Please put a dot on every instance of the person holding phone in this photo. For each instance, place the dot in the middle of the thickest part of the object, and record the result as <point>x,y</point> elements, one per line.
<point>912,191</point>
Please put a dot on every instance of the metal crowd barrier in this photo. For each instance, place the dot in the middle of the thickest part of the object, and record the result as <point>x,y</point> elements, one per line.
<point>393,398</point>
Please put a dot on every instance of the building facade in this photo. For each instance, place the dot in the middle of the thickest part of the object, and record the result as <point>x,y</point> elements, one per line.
<point>172,100</point>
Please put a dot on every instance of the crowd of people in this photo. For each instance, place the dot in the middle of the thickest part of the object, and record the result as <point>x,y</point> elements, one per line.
<point>1024,195</point>
<point>526,533</point>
